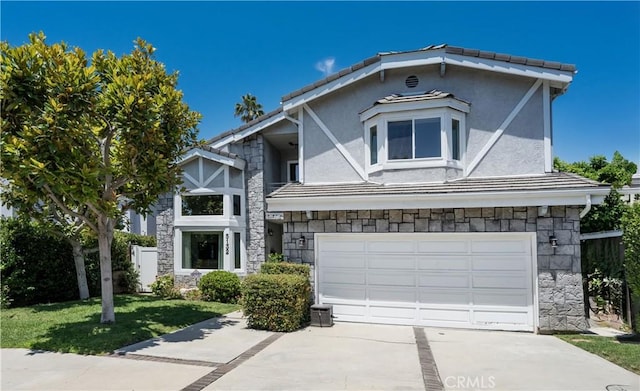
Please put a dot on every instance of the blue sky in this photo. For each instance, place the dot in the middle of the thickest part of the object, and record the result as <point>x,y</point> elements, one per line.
<point>224,50</point>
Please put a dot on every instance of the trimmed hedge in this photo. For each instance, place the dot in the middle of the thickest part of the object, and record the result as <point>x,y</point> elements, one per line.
<point>221,286</point>
<point>276,302</point>
<point>37,266</point>
<point>285,268</point>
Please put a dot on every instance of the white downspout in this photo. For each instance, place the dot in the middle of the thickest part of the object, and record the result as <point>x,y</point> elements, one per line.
<point>587,207</point>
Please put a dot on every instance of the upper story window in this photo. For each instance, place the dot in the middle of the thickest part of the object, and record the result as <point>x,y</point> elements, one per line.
<point>414,138</point>
<point>417,130</point>
<point>213,194</point>
<point>203,205</point>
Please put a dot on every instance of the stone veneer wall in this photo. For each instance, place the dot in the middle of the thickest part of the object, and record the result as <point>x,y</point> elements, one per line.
<point>560,294</point>
<point>164,235</point>
<point>253,150</point>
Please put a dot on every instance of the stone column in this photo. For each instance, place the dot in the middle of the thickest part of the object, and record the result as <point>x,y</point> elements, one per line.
<point>253,150</point>
<point>164,234</point>
<point>561,297</point>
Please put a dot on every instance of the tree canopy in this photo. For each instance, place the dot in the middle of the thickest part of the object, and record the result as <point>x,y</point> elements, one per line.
<point>249,109</point>
<point>91,137</point>
<point>618,173</point>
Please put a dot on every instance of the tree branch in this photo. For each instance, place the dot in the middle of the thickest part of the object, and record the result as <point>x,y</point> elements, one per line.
<point>66,210</point>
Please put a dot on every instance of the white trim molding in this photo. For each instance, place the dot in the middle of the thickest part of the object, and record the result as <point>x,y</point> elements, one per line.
<point>197,152</point>
<point>441,200</point>
<point>558,78</point>
<point>546,116</point>
<point>343,151</point>
<point>498,133</point>
<point>248,131</point>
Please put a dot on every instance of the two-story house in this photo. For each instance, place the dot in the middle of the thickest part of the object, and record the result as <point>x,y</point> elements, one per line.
<point>418,186</point>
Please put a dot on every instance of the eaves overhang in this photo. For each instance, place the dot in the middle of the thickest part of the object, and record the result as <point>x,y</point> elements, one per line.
<point>443,200</point>
<point>210,154</point>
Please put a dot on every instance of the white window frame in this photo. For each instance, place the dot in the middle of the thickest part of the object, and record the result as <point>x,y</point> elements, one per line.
<point>228,260</point>
<point>446,114</point>
<point>227,223</point>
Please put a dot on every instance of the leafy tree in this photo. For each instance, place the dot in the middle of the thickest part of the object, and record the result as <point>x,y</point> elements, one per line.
<point>618,173</point>
<point>631,240</point>
<point>91,139</point>
<point>249,109</point>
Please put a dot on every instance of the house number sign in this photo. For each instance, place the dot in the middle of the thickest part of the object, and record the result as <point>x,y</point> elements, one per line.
<point>226,244</point>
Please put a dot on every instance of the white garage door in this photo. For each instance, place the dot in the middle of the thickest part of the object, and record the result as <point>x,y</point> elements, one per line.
<point>477,280</point>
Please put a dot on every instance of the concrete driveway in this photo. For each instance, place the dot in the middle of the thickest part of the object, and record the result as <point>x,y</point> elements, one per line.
<point>469,359</point>
<point>222,354</point>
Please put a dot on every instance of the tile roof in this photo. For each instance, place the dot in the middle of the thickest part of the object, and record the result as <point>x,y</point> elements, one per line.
<point>447,49</point>
<point>401,98</point>
<point>533,183</point>
<point>245,126</point>
<point>218,151</point>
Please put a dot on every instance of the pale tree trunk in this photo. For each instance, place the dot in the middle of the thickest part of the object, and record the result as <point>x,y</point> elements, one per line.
<point>105,236</point>
<point>81,273</point>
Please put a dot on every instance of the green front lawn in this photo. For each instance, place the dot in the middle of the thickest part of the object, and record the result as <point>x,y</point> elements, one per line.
<point>625,353</point>
<point>75,326</point>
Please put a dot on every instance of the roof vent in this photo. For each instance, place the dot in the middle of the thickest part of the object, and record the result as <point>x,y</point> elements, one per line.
<point>412,81</point>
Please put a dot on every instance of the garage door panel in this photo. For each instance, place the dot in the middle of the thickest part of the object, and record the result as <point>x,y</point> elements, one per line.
<point>391,246</point>
<point>500,317</point>
<point>406,295</point>
<point>449,315</point>
<point>498,246</point>
<point>472,280</point>
<point>395,262</point>
<point>390,278</point>
<point>443,262</point>
<point>443,246</point>
<point>343,246</point>
<point>349,310</point>
<point>344,260</point>
<point>500,263</point>
<point>498,281</point>
<point>449,296</point>
<point>443,280</point>
<point>387,312</point>
<point>512,297</point>
<point>330,291</point>
<point>336,276</point>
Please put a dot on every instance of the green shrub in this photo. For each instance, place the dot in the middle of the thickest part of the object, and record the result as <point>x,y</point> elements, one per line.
<point>220,286</point>
<point>276,302</point>
<point>285,268</point>
<point>5,299</point>
<point>631,240</point>
<point>275,257</point>
<point>192,295</point>
<point>163,287</point>
<point>35,265</point>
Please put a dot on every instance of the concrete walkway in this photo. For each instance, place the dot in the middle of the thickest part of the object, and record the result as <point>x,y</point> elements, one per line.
<point>23,369</point>
<point>216,341</point>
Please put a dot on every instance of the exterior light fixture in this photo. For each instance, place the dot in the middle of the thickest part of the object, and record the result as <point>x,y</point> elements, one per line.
<point>553,240</point>
<point>270,232</point>
<point>302,241</point>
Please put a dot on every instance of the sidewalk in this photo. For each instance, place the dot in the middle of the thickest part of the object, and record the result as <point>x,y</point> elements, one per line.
<point>216,341</point>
